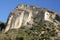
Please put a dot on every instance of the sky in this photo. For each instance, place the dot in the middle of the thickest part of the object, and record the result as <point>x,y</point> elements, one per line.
<point>6,6</point>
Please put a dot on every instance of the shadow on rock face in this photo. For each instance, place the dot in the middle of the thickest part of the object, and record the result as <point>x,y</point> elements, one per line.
<point>57,18</point>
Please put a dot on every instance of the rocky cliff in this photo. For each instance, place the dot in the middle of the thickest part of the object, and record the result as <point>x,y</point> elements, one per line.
<point>31,23</point>
<point>25,15</point>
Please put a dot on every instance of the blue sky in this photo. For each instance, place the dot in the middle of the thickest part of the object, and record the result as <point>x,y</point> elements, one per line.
<point>6,6</point>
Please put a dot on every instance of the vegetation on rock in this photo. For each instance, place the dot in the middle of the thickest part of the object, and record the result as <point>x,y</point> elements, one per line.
<point>2,25</point>
<point>39,31</point>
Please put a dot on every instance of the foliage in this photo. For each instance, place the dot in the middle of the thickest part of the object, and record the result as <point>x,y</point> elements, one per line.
<point>2,25</point>
<point>39,31</point>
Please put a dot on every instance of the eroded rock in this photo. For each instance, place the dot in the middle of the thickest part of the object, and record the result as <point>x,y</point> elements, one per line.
<point>25,15</point>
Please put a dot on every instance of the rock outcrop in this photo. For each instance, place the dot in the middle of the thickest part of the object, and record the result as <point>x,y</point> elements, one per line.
<point>24,15</point>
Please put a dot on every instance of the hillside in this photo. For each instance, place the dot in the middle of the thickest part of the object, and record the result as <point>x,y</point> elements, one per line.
<point>40,31</point>
<point>31,23</point>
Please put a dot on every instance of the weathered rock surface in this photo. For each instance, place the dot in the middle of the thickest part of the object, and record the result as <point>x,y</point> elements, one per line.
<point>24,15</point>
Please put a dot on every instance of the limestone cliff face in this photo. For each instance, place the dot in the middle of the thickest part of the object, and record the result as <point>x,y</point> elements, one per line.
<point>24,15</point>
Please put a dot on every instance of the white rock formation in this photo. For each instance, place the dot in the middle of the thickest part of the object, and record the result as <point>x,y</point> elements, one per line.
<point>49,16</point>
<point>25,15</point>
